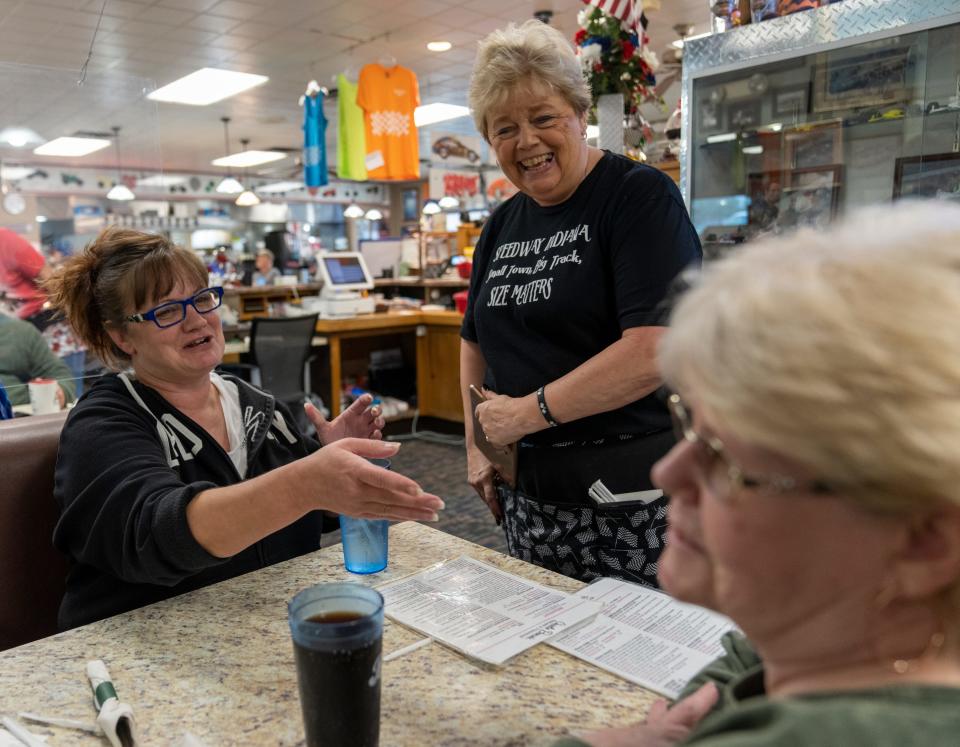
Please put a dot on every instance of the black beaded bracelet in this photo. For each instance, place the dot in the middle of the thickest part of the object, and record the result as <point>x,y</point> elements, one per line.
<point>544,410</point>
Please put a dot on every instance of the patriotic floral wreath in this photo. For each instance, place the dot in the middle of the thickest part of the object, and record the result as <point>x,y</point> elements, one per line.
<point>614,60</point>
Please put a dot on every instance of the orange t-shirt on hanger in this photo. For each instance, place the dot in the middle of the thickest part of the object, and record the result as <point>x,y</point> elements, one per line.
<point>388,96</point>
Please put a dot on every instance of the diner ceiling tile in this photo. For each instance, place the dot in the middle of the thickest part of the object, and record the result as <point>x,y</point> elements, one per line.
<point>196,6</point>
<point>217,24</point>
<point>117,8</point>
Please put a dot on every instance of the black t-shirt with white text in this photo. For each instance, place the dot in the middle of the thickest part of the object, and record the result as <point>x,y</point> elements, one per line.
<point>551,287</point>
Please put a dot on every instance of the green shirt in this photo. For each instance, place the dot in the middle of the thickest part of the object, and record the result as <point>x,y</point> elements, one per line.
<point>351,137</point>
<point>898,716</point>
<point>24,355</point>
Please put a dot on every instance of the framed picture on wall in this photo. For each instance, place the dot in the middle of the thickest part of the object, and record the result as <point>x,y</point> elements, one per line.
<point>789,198</point>
<point>935,175</point>
<point>791,103</point>
<point>744,115</point>
<point>708,118</point>
<point>877,78</point>
<point>819,144</point>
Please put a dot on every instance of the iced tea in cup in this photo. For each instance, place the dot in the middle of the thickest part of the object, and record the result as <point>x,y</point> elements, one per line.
<point>337,631</point>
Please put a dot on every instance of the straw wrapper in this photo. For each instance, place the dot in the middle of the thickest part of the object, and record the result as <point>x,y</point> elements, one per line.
<point>115,717</point>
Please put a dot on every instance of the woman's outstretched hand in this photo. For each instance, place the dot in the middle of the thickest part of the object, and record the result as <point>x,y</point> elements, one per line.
<point>343,481</point>
<point>360,420</point>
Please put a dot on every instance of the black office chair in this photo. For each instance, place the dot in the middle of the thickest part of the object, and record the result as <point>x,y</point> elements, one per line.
<point>280,354</point>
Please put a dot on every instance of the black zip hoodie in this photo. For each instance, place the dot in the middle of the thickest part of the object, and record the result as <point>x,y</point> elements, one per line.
<point>128,465</point>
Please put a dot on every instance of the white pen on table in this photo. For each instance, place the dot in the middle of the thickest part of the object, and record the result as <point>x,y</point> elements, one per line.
<point>407,649</point>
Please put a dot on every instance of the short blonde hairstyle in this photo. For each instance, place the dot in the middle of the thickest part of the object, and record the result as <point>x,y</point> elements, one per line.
<point>519,55</point>
<point>838,349</point>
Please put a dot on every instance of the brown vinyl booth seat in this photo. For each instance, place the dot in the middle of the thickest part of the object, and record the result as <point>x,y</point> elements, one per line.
<point>32,572</point>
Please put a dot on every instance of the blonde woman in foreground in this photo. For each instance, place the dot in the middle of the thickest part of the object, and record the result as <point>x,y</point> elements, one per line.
<point>815,490</point>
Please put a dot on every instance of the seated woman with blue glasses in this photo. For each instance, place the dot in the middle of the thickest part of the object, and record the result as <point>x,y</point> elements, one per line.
<point>170,476</point>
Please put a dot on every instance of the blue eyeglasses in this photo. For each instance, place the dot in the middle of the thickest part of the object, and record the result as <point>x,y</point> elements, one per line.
<point>171,313</point>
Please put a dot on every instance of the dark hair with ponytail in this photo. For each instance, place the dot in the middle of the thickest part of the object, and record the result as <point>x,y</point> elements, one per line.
<point>117,274</point>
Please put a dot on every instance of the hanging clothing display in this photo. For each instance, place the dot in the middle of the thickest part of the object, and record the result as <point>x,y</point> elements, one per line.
<point>314,142</point>
<point>351,139</point>
<point>388,96</point>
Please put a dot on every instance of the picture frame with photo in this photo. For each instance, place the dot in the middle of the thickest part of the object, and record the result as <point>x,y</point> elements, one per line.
<point>708,117</point>
<point>744,115</point>
<point>791,102</point>
<point>782,200</point>
<point>876,78</point>
<point>819,144</point>
<point>932,176</point>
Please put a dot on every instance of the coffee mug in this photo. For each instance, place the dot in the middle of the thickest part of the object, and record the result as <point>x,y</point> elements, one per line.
<point>43,396</point>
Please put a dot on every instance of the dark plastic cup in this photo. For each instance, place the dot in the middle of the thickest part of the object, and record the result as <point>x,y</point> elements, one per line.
<point>337,632</point>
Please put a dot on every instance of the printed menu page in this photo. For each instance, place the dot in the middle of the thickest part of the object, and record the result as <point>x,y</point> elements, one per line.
<point>645,636</point>
<point>484,612</point>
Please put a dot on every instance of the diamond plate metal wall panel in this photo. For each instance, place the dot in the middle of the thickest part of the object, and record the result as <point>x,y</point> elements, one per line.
<point>796,35</point>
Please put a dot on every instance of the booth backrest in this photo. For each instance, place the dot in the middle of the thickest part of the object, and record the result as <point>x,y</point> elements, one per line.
<point>32,572</point>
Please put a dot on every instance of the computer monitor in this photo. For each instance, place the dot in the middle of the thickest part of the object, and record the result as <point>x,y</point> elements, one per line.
<point>344,271</point>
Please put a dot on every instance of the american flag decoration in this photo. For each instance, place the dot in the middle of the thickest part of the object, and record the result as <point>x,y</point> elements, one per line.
<point>628,12</point>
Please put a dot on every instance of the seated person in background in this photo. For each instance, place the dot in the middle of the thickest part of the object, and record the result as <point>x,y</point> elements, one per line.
<point>171,477</point>
<point>815,489</point>
<point>266,273</point>
<point>24,355</point>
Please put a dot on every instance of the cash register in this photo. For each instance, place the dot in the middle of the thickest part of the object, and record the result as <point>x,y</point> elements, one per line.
<point>345,276</point>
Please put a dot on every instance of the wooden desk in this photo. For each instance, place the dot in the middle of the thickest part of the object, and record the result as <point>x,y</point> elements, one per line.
<point>218,662</point>
<point>251,301</point>
<point>438,355</point>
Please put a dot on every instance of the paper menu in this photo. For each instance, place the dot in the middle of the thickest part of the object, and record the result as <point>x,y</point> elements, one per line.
<point>645,636</point>
<point>486,613</point>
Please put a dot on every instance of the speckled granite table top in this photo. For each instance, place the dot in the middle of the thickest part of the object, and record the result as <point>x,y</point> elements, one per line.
<point>218,663</point>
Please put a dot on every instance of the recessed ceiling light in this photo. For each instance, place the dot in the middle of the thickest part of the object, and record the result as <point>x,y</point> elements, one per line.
<point>162,180</point>
<point>246,158</point>
<point>207,86</point>
<point>72,147</point>
<point>281,187</point>
<point>439,46</point>
<point>437,112</point>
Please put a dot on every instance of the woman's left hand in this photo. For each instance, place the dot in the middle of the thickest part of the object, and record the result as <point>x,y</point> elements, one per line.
<point>664,725</point>
<point>506,420</point>
<point>360,420</point>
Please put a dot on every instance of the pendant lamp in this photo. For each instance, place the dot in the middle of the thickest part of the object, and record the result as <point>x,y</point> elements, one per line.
<point>119,191</point>
<point>228,185</point>
<point>247,198</point>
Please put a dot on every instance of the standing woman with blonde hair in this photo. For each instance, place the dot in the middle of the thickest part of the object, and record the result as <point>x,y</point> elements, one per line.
<point>569,295</point>
<point>171,477</point>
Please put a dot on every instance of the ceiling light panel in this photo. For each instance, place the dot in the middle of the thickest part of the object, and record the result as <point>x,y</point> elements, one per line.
<point>71,147</point>
<point>248,158</point>
<point>437,112</point>
<point>207,86</point>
